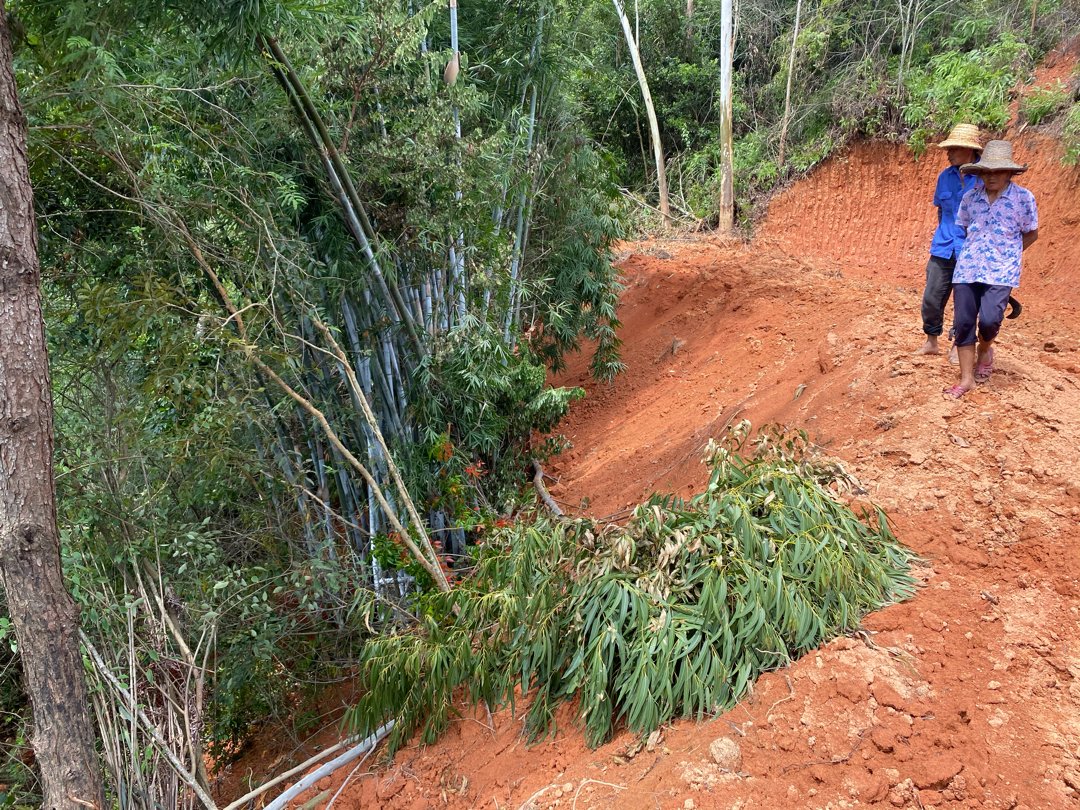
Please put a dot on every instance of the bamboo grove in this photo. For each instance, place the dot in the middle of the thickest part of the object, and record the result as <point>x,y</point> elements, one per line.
<point>304,287</point>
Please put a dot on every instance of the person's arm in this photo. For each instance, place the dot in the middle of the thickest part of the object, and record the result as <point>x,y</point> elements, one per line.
<point>1030,226</point>
<point>963,213</point>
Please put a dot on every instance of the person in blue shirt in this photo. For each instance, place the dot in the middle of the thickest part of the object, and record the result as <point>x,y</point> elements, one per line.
<point>962,146</point>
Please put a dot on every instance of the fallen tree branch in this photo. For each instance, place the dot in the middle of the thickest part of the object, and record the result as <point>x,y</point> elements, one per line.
<point>541,490</point>
<point>303,766</point>
<point>368,744</point>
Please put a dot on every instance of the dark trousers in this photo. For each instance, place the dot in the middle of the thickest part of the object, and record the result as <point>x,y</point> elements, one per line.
<point>978,304</point>
<point>936,295</point>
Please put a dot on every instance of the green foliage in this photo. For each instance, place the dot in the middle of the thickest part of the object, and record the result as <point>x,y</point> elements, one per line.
<point>857,72</point>
<point>1041,103</point>
<point>674,614</point>
<point>969,86</point>
<point>1070,135</point>
<point>578,289</point>
<point>481,402</point>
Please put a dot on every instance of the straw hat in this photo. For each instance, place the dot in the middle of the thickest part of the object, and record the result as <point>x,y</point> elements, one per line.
<point>996,157</point>
<point>965,136</point>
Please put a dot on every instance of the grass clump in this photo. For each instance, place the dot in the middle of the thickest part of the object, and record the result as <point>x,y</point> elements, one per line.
<point>673,614</point>
<point>1043,102</point>
<point>1070,135</point>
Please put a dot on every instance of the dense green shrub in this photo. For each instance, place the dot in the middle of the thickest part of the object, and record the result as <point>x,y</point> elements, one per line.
<point>479,407</point>
<point>674,614</point>
<point>970,86</point>
<point>857,72</point>
<point>1070,135</point>
<point>1043,102</point>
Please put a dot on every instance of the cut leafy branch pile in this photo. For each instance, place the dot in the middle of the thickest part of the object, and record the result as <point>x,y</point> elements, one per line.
<point>674,613</point>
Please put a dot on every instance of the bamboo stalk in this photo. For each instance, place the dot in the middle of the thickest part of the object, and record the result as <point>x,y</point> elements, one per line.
<point>365,746</point>
<point>340,177</point>
<point>727,187</point>
<point>429,564</point>
<point>391,466</point>
<point>787,93</point>
<point>516,256</point>
<point>542,491</point>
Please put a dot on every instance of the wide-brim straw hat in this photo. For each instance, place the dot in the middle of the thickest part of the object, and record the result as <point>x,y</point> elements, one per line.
<point>965,136</point>
<point>996,157</point>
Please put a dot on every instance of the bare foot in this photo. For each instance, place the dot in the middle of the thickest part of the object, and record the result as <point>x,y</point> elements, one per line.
<point>930,347</point>
<point>954,357</point>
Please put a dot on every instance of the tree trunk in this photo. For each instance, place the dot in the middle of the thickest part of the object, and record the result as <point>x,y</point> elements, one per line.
<point>787,93</point>
<point>688,34</point>
<point>654,127</point>
<point>42,612</point>
<point>727,194</point>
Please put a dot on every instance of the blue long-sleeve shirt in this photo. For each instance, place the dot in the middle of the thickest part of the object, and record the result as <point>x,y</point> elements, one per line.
<point>951,187</point>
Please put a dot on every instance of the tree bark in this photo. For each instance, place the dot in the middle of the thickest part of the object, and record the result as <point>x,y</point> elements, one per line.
<point>727,185</point>
<point>654,127</point>
<point>42,612</point>
<point>688,34</point>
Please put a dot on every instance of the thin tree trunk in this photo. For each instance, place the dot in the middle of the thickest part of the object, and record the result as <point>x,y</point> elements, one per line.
<point>654,127</point>
<point>787,93</point>
<point>688,40</point>
<point>727,194</point>
<point>42,612</point>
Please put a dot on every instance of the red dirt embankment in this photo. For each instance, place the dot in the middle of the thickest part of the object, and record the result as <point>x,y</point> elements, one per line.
<point>966,696</point>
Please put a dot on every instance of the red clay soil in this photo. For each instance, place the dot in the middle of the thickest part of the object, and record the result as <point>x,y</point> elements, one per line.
<point>968,695</point>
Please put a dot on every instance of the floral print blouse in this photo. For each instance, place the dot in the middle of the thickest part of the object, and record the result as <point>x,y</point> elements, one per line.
<point>991,253</point>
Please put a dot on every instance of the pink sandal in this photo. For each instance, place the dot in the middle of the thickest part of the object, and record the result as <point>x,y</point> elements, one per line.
<point>954,392</point>
<point>984,370</point>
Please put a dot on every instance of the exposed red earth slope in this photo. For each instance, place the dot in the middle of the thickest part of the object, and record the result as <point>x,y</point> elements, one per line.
<point>968,695</point>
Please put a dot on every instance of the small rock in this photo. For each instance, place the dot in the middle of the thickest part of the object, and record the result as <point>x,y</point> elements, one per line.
<point>725,752</point>
<point>993,685</point>
<point>937,772</point>
<point>931,621</point>
<point>689,804</point>
<point>887,696</point>
<point>873,789</point>
<point>390,787</point>
<point>853,690</point>
<point>883,740</point>
<point>1072,779</point>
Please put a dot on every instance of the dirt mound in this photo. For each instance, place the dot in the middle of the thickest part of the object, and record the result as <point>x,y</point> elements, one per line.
<point>968,695</point>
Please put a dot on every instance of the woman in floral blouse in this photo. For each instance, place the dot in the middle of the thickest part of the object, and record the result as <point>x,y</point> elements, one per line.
<point>1001,221</point>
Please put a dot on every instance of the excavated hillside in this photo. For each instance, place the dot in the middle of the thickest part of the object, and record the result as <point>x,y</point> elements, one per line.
<point>968,695</point>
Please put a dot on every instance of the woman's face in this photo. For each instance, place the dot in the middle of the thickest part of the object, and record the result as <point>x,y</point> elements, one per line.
<point>995,182</point>
<point>959,155</point>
